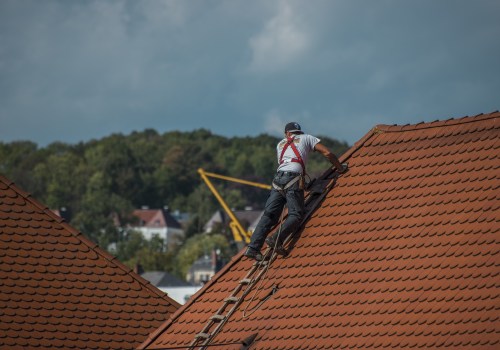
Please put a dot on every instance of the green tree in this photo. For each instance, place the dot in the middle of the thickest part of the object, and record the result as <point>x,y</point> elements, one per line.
<point>197,246</point>
<point>101,211</point>
<point>102,181</point>
<point>132,242</point>
<point>151,255</point>
<point>17,161</point>
<point>113,157</point>
<point>147,151</point>
<point>64,177</point>
<point>202,204</point>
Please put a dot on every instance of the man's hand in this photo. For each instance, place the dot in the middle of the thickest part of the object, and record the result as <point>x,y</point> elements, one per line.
<point>343,168</point>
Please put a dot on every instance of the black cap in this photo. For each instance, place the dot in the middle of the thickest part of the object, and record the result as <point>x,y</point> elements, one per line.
<point>293,127</point>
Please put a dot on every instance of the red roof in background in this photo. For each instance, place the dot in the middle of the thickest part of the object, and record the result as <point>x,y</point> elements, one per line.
<point>402,253</point>
<point>155,218</point>
<point>59,290</point>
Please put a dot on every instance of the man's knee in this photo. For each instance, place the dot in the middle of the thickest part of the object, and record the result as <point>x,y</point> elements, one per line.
<point>295,217</point>
<point>296,211</point>
<point>269,217</point>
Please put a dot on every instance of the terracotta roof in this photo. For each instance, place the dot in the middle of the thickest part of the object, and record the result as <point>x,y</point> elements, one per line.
<point>59,290</point>
<point>401,253</point>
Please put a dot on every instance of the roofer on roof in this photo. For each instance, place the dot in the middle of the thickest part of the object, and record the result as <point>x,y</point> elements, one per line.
<point>288,188</point>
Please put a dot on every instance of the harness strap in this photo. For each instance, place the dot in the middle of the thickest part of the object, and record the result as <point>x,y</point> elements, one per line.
<point>290,183</point>
<point>298,159</point>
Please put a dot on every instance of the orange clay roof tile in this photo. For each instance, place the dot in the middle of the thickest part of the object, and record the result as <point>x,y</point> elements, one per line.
<point>60,291</point>
<point>401,253</point>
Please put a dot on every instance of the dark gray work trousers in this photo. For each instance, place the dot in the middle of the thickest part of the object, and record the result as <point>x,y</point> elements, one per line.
<point>293,198</point>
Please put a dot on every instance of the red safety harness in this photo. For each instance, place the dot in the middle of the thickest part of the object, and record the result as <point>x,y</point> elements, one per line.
<point>298,158</point>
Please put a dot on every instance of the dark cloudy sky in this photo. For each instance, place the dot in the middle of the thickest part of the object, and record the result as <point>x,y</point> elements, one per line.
<point>76,70</point>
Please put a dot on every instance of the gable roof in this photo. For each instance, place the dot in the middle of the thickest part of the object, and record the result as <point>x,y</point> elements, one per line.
<point>246,218</point>
<point>59,290</point>
<point>163,279</point>
<point>401,253</point>
<point>155,218</point>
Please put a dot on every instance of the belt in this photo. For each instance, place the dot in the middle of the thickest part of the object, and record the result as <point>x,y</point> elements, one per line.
<point>291,173</point>
<point>284,188</point>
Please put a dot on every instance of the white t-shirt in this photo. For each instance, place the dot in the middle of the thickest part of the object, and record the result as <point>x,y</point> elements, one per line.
<point>304,144</point>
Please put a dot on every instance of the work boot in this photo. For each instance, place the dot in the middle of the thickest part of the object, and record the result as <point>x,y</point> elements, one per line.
<point>278,248</point>
<point>253,254</point>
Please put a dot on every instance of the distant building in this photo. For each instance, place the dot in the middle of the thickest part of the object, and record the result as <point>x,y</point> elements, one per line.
<point>254,223</point>
<point>157,222</point>
<point>181,217</point>
<point>175,288</point>
<point>247,218</point>
<point>204,268</point>
<point>63,212</point>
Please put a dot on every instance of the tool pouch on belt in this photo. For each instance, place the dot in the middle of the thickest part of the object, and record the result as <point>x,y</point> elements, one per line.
<point>302,182</point>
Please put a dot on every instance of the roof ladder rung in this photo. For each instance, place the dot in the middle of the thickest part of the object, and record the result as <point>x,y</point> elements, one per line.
<point>251,277</point>
<point>261,263</point>
<point>203,335</point>
<point>217,318</point>
<point>231,300</point>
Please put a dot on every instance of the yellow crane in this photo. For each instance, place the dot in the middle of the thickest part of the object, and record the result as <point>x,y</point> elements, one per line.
<point>240,235</point>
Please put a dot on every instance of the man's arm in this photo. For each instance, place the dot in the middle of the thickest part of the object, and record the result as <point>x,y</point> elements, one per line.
<point>330,156</point>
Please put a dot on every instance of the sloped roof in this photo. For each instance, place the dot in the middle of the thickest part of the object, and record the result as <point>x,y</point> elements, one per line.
<point>244,216</point>
<point>156,218</point>
<point>163,279</point>
<point>402,253</point>
<point>59,290</point>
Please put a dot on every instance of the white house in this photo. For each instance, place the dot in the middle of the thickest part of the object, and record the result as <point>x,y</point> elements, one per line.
<point>158,222</point>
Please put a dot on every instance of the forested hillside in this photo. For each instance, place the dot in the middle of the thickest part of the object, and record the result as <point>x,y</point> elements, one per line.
<point>111,176</point>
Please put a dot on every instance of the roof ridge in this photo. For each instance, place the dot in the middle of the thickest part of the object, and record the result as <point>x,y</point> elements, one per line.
<point>373,131</point>
<point>80,236</point>
<point>383,128</point>
<point>437,123</point>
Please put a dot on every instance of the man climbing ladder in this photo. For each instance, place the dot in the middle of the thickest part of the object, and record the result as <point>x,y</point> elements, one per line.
<point>288,188</point>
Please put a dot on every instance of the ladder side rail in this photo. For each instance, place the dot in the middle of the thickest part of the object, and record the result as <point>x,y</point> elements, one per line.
<point>235,291</point>
<point>236,305</point>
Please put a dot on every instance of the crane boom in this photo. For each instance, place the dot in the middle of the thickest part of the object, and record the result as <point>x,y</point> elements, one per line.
<point>240,235</point>
<point>233,179</point>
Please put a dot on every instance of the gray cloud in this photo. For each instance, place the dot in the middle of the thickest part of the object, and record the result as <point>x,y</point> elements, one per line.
<point>76,70</point>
